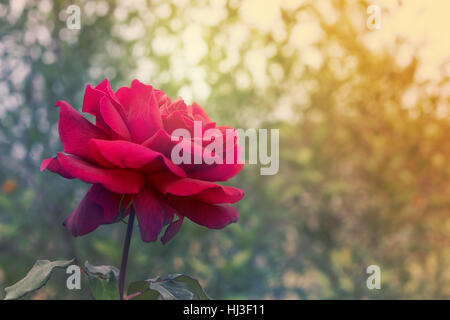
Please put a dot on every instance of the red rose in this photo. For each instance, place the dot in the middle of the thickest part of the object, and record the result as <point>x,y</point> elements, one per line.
<point>126,156</point>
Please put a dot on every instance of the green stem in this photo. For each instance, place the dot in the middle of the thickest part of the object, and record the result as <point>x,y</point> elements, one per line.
<point>126,249</point>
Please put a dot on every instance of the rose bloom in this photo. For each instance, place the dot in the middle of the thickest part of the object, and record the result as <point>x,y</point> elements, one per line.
<point>126,156</point>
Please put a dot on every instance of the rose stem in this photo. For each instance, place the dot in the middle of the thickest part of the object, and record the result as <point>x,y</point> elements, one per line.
<point>126,249</point>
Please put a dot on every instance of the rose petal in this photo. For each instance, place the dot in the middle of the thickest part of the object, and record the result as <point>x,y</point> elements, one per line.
<point>171,106</point>
<point>205,191</point>
<point>152,214</point>
<point>125,154</point>
<point>161,142</point>
<point>91,105</point>
<point>114,119</point>
<point>177,120</point>
<point>161,97</point>
<point>91,100</point>
<point>199,113</point>
<point>205,214</point>
<point>92,96</point>
<point>99,206</point>
<point>52,164</point>
<point>105,87</point>
<point>118,181</point>
<point>216,171</point>
<point>171,230</point>
<point>143,115</point>
<point>75,131</point>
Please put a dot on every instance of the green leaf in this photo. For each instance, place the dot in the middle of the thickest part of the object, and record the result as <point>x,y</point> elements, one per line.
<point>171,290</point>
<point>192,284</point>
<point>140,290</point>
<point>103,282</point>
<point>36,278</point>
<point>173,287</point>
<point>102,271</point>
<point>103,289</point>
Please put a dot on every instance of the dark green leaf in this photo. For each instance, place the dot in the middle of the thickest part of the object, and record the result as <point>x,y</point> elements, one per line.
<point>171,290</point>
<point>173,287</point>
<point>140,290</point>
<point>192,285</point>
<point>102,271</point>
<point>36,278</point>
<point>103,282</point>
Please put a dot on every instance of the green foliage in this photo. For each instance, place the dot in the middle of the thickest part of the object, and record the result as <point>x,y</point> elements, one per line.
<point>103,282</point>
<point>171,290</point>
<point>192,284</point>
<point>140,290</point>
<point>173,287</point>
<point>36,278</point>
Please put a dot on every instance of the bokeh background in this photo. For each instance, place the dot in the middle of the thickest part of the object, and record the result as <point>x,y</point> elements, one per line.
<point>364,139</point>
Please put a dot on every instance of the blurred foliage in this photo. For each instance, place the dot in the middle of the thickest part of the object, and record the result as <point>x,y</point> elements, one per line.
<point>362,174</point>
